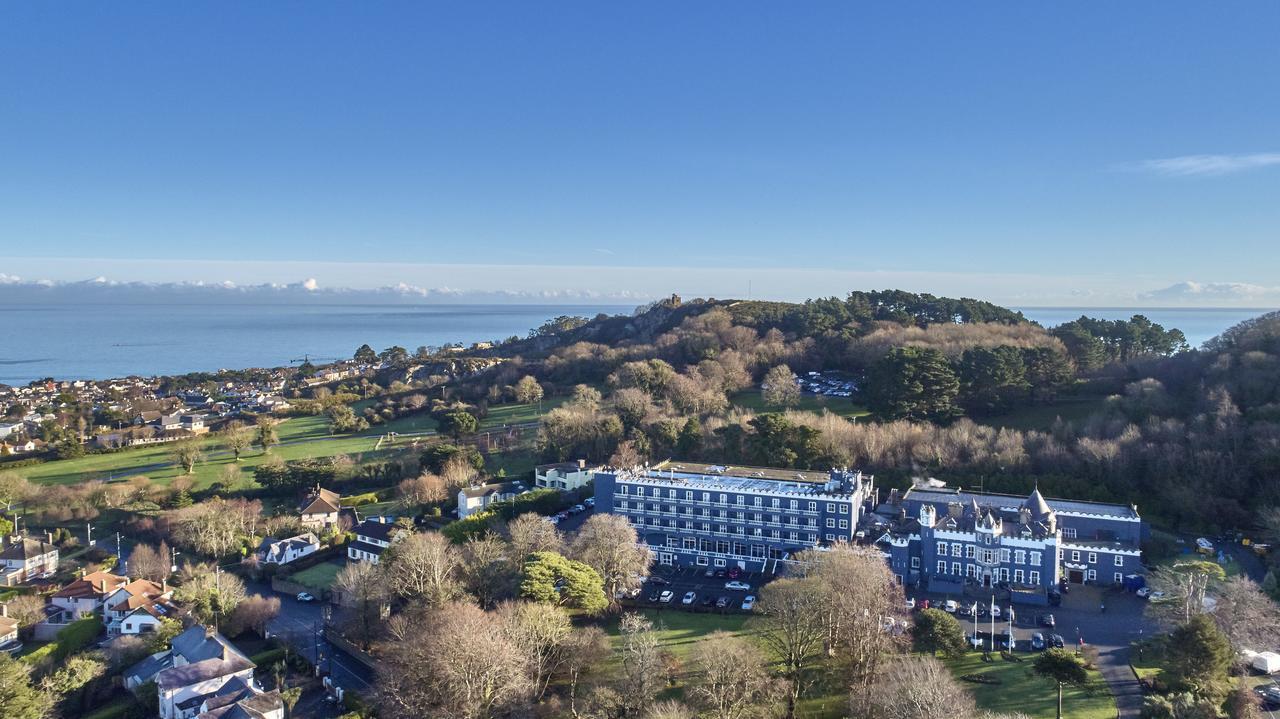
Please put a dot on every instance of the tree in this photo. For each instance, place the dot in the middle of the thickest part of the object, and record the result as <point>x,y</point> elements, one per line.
<point>13,488</point>
<point>147,562</point>
<point>463,664</point>
<point>394,356</point>
<point>669,709</point>
<point>915,687</point>
<point>780,387</point>
<point>937,631</point>
<point>1062,667</point>
<point>541,632</point>
<point>459,423</point>
<point>208,592</point>
<point>437,455</point>
<point>26,610</point>
<point>425,489</point>
<point>608,544</point>
<point>1242,703</point>
<point>423,566</point>
<point>641,662</point>
<point>254,612</point>
<point>267,436</point>
<point>187,453</point>
<point>531,532</point>
<point>486,571</point>
<point>365,355</point>
<point>1185,586</point>
<point>735,680</point>
<point>550,578</point>
<point>1245,614</point>
<point>364,587</point>
<point>791,624</point>
<point>1198,657</point>
<point>343,420</point>
<point>18,698</point>
<point>913,383</point>
<point>528,391</point>
<point>237,437</point>
<point>586,651</point>
<point>992,379</point>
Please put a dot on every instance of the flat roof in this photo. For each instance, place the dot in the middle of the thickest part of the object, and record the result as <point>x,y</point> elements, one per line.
<point>738,478</point>
<point>949,494</point>
<point>724,470</point>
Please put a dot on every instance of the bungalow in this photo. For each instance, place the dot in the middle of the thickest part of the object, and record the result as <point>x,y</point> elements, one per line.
<point>138,607</point>
<point>8,626</point>
<point>25,559</point>
<point>565,476</point>
<point>22,446</point>
<point>283,551</point>
<point>8,428</point>
<point>373,536</point>
<point>204,675</point>
<point>475,499</point>
<point>320,509</point>
<point>86,595</point>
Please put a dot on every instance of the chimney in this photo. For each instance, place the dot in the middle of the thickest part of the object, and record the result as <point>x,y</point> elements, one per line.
<point>104,585</point>
<point>164,585</point>
<point>49,537</point>
<point>209,632</point>
<point>582,464</point>
<point>4,610</point>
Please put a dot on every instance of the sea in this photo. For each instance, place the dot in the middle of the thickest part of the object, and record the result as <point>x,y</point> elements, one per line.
<point>117,340</point>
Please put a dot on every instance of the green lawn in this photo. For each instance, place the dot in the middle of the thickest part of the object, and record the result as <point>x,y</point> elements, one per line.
<point>320,577</point>
<point>752,400</point>
<point>1019,689</point>
<point>1042,416</point>
<point>519,413</point>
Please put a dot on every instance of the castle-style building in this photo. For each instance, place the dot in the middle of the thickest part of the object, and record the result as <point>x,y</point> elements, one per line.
<point>944,539</point>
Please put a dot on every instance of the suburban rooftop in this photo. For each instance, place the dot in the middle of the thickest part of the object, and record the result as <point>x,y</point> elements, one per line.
<point>765,479</point>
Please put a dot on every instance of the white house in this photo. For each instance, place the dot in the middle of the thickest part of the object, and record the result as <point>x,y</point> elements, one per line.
<point>283,551</point>
<point>204,675</point>
<point>138,607</point>
<point>373,536</point>
<point>475,499</point>
<point>565,476</point>
<point>8,428</point>
<point>8,625</point>
<point>320,509</point>
<point>25,559</point>
<point>85,596</point>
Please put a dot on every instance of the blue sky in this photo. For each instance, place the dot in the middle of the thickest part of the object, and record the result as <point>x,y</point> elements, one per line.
<point>1028,153</point>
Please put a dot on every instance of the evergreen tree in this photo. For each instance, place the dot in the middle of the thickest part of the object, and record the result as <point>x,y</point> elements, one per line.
<point>913,383</point>
<point>992,379</point>
<point>1199,657</point>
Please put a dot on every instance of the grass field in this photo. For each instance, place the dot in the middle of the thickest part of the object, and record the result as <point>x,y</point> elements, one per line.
<point>1019,689</point>
<point>320,577</point>
<point>1042,416</point>
<point>751,399</point>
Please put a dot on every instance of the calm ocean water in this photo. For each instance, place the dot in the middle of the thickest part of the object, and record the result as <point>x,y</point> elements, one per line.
<point>101,341</point>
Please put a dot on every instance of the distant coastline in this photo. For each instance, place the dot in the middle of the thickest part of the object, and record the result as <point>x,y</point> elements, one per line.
<point>101,341</point>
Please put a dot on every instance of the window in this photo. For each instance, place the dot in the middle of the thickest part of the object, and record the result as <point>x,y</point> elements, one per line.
<point>831,537</point>
<point>813,506</point>
<point>1118,578</point>
<point>844,509</point>
<point>719,562</point>
<point>942,567</point>
<point>969,551</point>
<point>915,562</point>
<point>971,570</point>
<point>671,494</point>
<point>1075,555</point>
<point>942,546</point>
<point>831,508</point>
<point>741,499</point>
<point>759,501</point>
<point>706,496</point>
<point>1119,560</point>
<point>955,568</point>
<point>702,561</point>
<point>1035,577</point>
<point>1035,559</point>
<point>1004,574</point>
<point>844,524</point>
<point>1004,555</point>
<point>1069,532</point>
<point>688,494</point>
<point>1019,556</point>
<point>1017,576</point>
<point>1093,557</point>
<point>795,504</point>
<point>1093,575</point>
<point>724,499</point>
<point>955,549</point>
<point>831,523</point>
<point>793,536</point>
<point>777,534</point>
<point>774,503</point>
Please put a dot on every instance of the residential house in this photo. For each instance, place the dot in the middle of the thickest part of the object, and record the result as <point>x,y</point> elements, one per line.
<point>475,499</point>
<point>138,607</point>
<point>85,595</point>
<point>194,423</point>
<point>565,476</point>
<point>8,428</point>
<point>320,509</point>
<point>373,536</point>
<point>25,559</point>
<point>204,675</point>
<point>283,551</point>
<point>8,626</point>
<point>22,446</point>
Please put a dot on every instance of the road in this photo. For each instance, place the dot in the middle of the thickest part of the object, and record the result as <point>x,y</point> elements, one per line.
<point>299,625</point>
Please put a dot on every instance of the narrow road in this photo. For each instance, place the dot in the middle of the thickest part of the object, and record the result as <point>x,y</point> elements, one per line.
<point>299,625</point>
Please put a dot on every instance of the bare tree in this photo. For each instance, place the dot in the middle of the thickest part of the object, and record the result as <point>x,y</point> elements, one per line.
<point>255,613</point>
<point>586,652</point>
<point>1185,586</point>
<point>13,488</point>
<point>1248,617</point>
<point>462,665</point>
<point>486,570</point>
<point>670,709</point>
<point>426,488</point>
<point>915,687</point>
<point>237,437</point>
<point>608,544</point>
<point>531,533</point>
<point>641,662</point>
<point>780,387</point>
<point>528,391</point>
<point>793,624</point>
<point>187,453</point>
<point>423,566</point>
<point>26,610</point>
<point>151,563</point>
<point>735,682</point>
<point>364,588</point>
<point>458,473</point>
<point>541,632</point>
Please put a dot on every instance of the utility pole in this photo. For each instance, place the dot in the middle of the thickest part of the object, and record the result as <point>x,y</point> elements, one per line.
<point>88,534</point>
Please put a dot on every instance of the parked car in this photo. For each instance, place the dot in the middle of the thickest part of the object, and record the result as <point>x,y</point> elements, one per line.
<point>979,610</point>
<point>748,602</point>
<point>1057,641</point>
<point>737,586</point>
<point>578,508</point>
<point>659,581</point>
<point>995,611</point>
<point>1047,620</point>
<point>965,610</point>
<point>655,597</point>
<point>666,596</point>
<point>305,597</point>
<point>709,573</point>
<point>689,597</point>
<point>719,572</point>
<point>589,501</point>
<point>722,602</point>
<point>1155,596</point>
<point>708,601</point>
<point>976,641</point>
<point>1270,696</point>
<point>1037,641</point>
<point>950,607</point>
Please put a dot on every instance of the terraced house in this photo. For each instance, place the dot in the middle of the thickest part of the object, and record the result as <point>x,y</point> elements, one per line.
<point>753,518</point>
<point>946,539</point>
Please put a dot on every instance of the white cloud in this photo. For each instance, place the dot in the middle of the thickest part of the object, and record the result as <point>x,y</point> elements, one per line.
<point>1208,165</point>
<point>1214,293</point>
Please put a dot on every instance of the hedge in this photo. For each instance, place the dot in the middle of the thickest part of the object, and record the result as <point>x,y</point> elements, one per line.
<point>269,657</point>
<point>356,500</point>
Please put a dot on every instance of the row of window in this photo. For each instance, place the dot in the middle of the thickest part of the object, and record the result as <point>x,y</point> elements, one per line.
<point>1093,557</point>
<point>987,556</point>
<point>810,537</point>
<point>689,495</point>
<point>718,513</point>
<point>1000,574</point>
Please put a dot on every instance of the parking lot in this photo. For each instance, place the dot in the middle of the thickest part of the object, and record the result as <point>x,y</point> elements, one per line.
<point>680,581</point>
